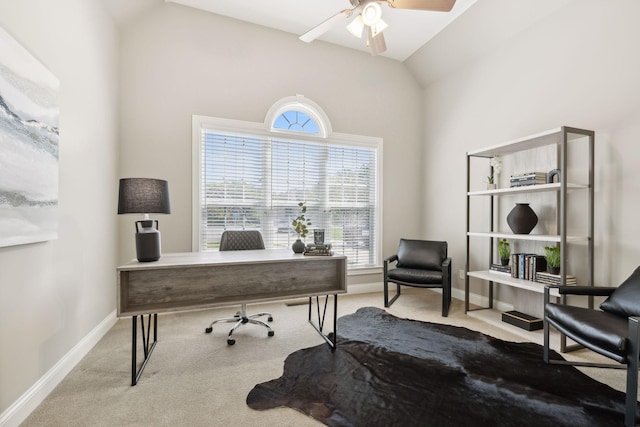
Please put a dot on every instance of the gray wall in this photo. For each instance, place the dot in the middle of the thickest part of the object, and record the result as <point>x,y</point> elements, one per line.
<point>177,61</point>
<point>53,294</point>
<point>574,64</point>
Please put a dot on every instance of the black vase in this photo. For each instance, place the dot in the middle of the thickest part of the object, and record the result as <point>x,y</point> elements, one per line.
<point>298,246</point>
<point>522,219</point>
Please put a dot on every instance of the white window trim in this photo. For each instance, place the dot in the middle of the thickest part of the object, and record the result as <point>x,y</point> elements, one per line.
<point>299,103</point>
<point>264,129</point>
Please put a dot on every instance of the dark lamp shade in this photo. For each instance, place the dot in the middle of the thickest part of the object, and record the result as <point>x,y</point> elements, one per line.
<point>143,195</point>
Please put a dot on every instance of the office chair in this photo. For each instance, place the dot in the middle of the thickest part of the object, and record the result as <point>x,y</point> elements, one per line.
<point>421,264</point>
<point>239,240</point>
<point>613,331</point>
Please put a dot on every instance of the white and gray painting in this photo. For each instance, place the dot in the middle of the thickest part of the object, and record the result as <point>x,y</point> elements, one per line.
<point>28,146</point>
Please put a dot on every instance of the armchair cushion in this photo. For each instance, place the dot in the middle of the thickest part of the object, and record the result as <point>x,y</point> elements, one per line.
<point>415,276</point>
<point>624,301</point>
<point>605,333</point>
<point>421,254</point>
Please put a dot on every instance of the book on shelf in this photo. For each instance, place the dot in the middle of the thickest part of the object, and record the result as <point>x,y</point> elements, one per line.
<point>531,178</point>
<point>529,175</point>
<point>527,182</point>
<point>499,268</point>
<point>526,266</point>
<point>554,279</point>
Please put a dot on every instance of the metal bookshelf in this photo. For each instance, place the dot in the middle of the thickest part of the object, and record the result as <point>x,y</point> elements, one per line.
<point>564,139</point>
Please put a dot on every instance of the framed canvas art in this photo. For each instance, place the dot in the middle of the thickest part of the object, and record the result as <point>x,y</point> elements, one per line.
<point>29,114</point>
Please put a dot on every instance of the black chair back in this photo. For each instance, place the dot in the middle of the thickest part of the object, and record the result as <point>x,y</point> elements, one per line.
<point>241,240</point>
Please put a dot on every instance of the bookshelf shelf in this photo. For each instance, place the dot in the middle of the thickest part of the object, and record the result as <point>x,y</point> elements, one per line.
<point>533,237</point>
<point>506,279</point>
<point>556,186</point>
<point>572,164</point>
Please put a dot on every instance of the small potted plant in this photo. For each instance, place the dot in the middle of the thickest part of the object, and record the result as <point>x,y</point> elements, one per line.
<point>504,251</point>
<point>300,224</point>
<point>552,256</point>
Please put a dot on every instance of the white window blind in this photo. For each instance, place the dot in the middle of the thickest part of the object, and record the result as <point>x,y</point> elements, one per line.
<point>256,182</point>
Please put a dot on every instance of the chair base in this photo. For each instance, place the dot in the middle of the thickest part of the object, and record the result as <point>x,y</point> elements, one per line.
<point>446,295</point>
<point>240,318</point>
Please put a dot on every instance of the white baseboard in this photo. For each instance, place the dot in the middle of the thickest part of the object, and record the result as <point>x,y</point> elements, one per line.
<point>364,288</point>
<point>481,301</point>
<point>21,408</point>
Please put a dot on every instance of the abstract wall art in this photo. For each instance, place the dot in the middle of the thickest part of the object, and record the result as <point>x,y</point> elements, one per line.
<point>29,115</point>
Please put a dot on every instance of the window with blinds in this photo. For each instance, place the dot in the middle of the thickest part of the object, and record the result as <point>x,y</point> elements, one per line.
<point>255,180</point>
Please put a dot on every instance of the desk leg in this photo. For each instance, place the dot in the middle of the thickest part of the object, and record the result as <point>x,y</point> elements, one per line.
<point>135,374</point>
<point>331,338</point>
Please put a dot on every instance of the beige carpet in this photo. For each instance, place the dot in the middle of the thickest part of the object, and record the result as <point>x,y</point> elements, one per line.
<point>195,379</point>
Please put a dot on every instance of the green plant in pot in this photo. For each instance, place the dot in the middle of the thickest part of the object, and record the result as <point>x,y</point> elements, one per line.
<point>552,256</point>
<point>300,224</point>
<point>504,251</point>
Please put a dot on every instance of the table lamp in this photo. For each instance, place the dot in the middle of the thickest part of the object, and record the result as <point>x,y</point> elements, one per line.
<point>145,196</point>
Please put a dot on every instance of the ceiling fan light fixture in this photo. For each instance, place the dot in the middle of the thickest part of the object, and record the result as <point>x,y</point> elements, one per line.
<point>375,43</point>
<point>371,14</point>
<point>378,27</point>
<point>356,26</point>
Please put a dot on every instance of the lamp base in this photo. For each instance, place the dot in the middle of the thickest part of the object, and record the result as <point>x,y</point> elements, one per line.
<point>147,240</point>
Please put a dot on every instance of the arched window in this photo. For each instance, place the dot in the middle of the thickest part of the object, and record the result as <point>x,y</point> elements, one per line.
<point>253,175</point>
<point>296,114</point>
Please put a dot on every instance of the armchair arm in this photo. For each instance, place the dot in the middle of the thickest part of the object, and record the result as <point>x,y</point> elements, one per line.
<point>446,271</point>
<point>392,258</point>
<point>385,265</point>
<point>598,291</point>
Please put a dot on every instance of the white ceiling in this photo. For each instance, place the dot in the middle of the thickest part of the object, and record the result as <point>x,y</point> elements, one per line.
<point>408,29</point>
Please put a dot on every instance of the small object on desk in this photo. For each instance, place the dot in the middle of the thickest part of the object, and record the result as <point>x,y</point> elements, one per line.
<point>522,320</point>
<point>318,250</point>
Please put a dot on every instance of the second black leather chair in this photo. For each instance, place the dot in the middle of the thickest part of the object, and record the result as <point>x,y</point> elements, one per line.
<point>421,264</point>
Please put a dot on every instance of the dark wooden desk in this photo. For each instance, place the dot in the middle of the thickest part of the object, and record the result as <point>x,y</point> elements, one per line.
<point>196,280</point>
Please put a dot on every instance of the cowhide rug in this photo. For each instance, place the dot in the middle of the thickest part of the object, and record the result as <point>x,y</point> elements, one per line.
<point>389,371</point>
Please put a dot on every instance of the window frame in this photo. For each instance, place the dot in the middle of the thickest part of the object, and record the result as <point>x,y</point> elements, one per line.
<point>266,130</point>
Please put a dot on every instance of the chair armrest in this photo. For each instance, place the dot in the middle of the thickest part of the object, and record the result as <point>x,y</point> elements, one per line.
<point>385,265</point>
<point>598,291</point>
<point>446,264</point>
<point>446,271</point>
<point>392,258</point>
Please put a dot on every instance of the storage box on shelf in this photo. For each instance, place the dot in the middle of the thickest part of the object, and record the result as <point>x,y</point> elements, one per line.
<point>561,141</point>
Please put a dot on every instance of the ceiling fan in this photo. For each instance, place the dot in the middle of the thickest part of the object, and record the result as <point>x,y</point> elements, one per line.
<point>369,19</point>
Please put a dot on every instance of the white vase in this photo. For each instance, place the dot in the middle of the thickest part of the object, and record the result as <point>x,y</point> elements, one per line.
<point>492,186</point>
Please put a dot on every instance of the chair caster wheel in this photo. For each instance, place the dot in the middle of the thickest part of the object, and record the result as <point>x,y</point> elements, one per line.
<point>270,319</point>
<point>231,341</point>
<point>208,330</point>
<point>270,333</point>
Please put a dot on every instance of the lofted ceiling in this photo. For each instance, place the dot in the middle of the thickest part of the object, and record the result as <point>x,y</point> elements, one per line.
<point>408,29</point>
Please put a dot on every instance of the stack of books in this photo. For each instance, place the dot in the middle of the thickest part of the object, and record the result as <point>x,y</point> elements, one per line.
<point>554,279</point>
<point>320,249</point>
<point>499,268</point>
<point>527,266</point>
<point>529,178</point>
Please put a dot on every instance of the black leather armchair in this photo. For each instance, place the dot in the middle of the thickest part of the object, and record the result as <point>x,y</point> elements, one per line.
<point>613,331</point>
<point>421,264</point>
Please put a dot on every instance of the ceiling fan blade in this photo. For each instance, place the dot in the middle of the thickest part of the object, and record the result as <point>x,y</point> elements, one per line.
<point>435,5</point>
<point>376,43</point>
<point>325,26</point>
